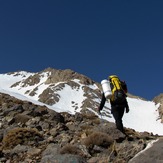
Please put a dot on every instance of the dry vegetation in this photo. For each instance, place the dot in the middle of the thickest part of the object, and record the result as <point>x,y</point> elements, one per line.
<point>20,136</point>
<point>98,138</point>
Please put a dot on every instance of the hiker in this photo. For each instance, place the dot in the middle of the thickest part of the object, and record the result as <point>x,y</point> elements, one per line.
<point>117,107</point>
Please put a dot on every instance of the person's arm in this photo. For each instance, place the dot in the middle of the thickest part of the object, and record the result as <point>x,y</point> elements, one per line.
<point>127,107</point>
<point>103,100</point>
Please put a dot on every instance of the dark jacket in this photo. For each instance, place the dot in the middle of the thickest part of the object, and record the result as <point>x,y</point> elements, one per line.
<point>113,105</point>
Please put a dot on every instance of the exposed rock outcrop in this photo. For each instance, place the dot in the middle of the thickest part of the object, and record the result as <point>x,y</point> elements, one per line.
<point>159,100</point>
<point>54,81</point>
<point>32,133</point>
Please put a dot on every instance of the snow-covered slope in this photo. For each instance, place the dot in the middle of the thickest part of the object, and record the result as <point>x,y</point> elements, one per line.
<point>143,115</point>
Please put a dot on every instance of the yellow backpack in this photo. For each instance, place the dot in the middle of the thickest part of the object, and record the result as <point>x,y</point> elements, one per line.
<point>118,94</point>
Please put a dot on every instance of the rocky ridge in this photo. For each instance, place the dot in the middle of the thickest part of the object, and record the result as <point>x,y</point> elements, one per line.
<point>54,81</point>
<point>159,100</point>
<point>33,133</point>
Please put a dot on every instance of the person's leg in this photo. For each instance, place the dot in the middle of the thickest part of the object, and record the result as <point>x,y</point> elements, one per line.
<point>118,114</point>
<point>121,112</point>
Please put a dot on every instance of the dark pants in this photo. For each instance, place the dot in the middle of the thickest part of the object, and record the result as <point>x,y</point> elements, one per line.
<point>118,114</point>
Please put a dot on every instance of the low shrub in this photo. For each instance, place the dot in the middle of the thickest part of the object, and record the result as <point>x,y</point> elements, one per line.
<point>20,136</point>
<point>99,139</point>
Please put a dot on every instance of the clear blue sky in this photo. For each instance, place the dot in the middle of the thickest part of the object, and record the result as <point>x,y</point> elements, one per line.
<point>96,38</point>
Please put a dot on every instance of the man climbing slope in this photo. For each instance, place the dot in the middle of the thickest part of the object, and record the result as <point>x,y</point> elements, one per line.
<point>118,100</point>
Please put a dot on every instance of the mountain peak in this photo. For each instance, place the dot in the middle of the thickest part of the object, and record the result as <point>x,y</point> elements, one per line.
<point>72,92</point>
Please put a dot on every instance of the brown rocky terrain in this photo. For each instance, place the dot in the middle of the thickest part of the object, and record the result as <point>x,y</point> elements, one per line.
<point>150,155</point>
<point>159,100</point>
<point>32,133</point>
<point>56,81</point>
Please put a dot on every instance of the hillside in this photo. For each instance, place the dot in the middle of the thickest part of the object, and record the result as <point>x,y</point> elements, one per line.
<point>34,133</point>
<point>58,109</point>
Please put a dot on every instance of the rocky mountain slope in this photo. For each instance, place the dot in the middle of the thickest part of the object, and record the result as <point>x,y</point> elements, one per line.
<point>33,133</point>
<point>46,132</point>
<point>159,99</point>
<point>52,83</point>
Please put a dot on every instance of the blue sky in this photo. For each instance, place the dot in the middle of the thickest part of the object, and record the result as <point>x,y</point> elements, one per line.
<point>92,37</point>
